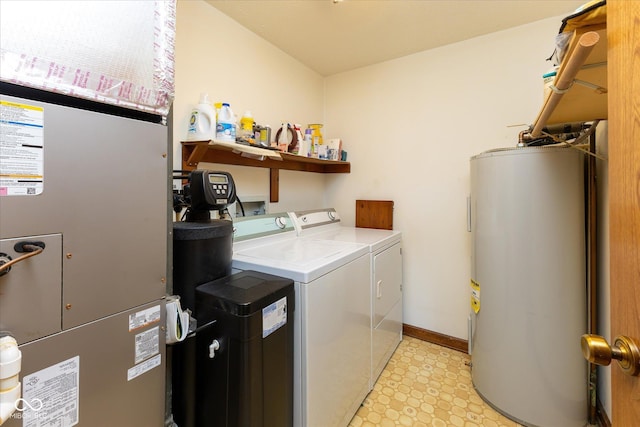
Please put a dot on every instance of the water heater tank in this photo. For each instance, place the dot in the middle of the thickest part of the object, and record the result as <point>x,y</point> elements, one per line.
<point>528,284</point>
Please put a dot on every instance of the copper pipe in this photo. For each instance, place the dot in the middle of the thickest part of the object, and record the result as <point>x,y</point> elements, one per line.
<point>35,250</point>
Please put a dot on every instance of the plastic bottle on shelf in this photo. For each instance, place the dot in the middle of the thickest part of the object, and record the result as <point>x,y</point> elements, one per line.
<point>246,127</point>
<point>202,123</point>
<point>282,137</point>
<point>316,137</point>
<point>307,145</point>
<point>226,126</point>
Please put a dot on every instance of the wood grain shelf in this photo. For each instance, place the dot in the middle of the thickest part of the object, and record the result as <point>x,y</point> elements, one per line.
<point>584,62</point>
<point>194,152</point>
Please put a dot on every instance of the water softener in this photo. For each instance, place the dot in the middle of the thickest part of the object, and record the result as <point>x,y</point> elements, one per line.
<point>202,249</point>
<point>235,368</point>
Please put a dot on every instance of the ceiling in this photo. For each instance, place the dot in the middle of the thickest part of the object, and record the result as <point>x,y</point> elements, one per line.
<point>332,36</point>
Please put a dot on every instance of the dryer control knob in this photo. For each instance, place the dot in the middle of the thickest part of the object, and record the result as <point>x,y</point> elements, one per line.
<point>332,215</point>
<point>281,222</point>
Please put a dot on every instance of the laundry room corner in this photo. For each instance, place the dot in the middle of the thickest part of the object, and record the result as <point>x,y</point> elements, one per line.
<point>412,124</point>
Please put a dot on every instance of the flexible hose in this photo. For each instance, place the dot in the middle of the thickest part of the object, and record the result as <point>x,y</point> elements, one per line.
<point>34,250</point>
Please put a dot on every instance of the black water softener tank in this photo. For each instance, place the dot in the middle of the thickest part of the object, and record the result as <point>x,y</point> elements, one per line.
<point>245,359</point>
<point>202,252</point>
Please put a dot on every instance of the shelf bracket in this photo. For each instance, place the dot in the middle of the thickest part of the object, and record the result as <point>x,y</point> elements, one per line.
<point>194,154</point>
<point>274,185</point>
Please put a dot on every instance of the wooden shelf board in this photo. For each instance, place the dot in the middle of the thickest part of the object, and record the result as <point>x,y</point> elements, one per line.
<point>194,152</point>
<point>202,151</point>
<point>581,103</point>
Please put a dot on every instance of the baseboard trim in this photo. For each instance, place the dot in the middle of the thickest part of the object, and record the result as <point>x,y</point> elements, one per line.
<point>435,338</point>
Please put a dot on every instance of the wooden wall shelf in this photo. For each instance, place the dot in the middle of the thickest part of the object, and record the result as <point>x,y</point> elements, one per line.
<point>194,152</point>
<point>585,61</point>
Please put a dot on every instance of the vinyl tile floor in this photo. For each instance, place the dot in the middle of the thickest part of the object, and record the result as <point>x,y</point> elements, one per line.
<point>425,384</point>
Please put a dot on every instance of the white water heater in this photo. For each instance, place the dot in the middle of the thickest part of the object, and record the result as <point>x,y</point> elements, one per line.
<point>528,292</point>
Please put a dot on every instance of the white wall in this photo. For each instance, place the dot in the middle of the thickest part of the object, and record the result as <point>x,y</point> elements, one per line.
<point>410,126</point>
<point>216,55</point>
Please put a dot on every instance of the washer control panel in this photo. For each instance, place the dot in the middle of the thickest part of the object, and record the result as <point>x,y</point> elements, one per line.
<point>308,219</point>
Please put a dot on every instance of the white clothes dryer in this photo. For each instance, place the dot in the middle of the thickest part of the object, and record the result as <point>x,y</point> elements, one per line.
<point>385,252</point>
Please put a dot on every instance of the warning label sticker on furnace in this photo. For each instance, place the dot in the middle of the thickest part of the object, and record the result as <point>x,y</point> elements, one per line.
<point>147,344</point>
<point>274,316</point>
<point>143,318</point>
<point>21,149</point>
<point>50,396</point>
<point>144,367</point>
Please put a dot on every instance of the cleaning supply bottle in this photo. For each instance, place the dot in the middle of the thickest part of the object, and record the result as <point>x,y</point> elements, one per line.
<point>282,137</point>
<point>246,127</point>
<point>226,126</point>
<point>306,151</point>
<point>202,123</point>
<point>317,135</point>
<point>316,138</point>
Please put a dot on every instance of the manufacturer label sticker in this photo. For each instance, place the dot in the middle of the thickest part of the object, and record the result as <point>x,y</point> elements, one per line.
<point>274,316</point>
<point>21,149</point>
<point>50,396</point>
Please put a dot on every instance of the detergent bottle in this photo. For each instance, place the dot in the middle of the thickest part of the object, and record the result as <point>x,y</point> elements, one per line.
<point>226,126</point>
<point>202,123</point>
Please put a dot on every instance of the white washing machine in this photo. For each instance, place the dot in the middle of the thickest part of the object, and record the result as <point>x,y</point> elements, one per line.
<point>332,318</point>
<point>385,252</point>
